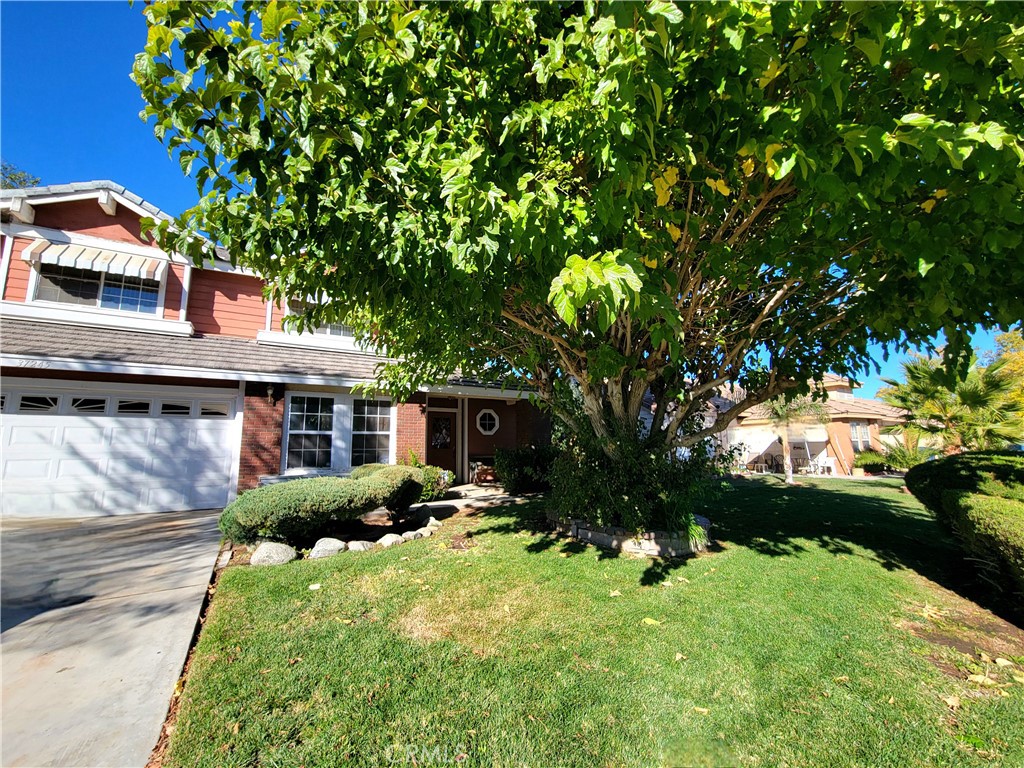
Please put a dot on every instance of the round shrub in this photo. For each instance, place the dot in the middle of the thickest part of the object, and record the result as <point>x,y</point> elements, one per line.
<point>298,512</point>
<point>358,473</point>
<point>435,481</point>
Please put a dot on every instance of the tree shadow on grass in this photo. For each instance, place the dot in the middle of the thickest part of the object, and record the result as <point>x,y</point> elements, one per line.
<point>771,518</point>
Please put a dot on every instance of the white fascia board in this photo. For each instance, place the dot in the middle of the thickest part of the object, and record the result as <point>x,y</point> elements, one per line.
<point>104,198</point>
<point>94,317</point>
<point>43,363</point>
<point>313,341</point>
<point>483,392</point>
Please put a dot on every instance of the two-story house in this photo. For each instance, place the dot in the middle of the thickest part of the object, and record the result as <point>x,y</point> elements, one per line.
<point>135,381</point>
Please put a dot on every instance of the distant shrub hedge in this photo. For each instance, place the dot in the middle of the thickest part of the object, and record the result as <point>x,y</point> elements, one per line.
<point>526,469</point>
<point>300,511</point>
<point>979,497</point>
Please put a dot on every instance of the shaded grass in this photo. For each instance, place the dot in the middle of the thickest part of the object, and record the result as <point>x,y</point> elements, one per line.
<point>784,647</point>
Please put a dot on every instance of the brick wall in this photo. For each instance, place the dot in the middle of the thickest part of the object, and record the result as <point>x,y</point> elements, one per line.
<point>262,426</point>
<point>411,431</point>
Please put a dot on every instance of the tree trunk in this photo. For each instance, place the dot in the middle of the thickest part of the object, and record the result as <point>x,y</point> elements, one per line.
<point>787,460</point>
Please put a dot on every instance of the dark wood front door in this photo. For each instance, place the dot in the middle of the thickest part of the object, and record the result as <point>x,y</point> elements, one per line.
<point>441,440</point>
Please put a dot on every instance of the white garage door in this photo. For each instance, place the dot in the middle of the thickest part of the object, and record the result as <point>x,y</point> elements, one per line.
<point>70,450</point>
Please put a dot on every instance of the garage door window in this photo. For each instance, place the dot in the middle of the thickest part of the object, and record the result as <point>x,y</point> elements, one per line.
<point>133,407</point>
<point>38,404</point>
<point>94,405</point>
<point>310,432</point>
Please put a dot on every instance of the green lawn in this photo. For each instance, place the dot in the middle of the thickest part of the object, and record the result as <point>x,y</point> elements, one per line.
<point>791,645</point>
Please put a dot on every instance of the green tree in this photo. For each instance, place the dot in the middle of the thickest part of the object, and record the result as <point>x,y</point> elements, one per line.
<point>783,414</point>
<point>12,177</point>
<point>629,197</point>
<point>1010,350</point>
<point>978,413</point>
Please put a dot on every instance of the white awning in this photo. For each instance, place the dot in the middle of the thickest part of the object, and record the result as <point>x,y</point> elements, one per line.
<point>97,259</point>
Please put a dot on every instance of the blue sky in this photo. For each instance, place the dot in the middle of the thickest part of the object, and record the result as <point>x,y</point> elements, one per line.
<point>69,112</point>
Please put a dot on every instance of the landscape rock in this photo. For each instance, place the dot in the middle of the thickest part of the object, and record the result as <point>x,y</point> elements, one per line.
<point>390,539</point>
<point>424,532</point>
<point>326,548</point>
<point>410,535</point>
<point>272,553</point>
<point>433,523</point>
<point>360,546</point>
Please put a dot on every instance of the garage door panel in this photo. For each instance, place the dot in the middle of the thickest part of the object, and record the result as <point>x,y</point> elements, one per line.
<point>73,463</point>
<point>29,436</point>
<point>26,469</point>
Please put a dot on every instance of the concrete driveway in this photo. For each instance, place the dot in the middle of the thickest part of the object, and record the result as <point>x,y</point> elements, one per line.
<point>97,615</point>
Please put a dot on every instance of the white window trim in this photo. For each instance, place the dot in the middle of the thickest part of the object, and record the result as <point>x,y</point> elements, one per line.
<point>306,339</point>
<point>49,312</point>
<point>341,432</point>
<point>855,437</point>
<point>479,418</point>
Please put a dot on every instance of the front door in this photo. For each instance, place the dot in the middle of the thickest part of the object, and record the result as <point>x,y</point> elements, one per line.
<point>441,440</point>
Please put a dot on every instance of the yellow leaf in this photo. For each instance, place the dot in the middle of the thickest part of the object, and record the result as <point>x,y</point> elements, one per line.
<point>650,263</point>
<point>773,71</point>
<point>748,166</point>
<point>799,43</point>
<point>671,175</point>
<point>842,679</point>
<point>981,680</point>
<point>928,205</point>
<point>1000,662</point>
<point>651,622</point>
<point>769,153</point>
<point>1018,678</point>
<point>680,657</point>
<point>675,231</point>
<point>615,593</point>
<point>663,190</point>
<point>722,187</point>
<point>940,193</point>
<point>701,710</point>
<point>953,702</point>
<point>985,658</point>
<point>667,584</point>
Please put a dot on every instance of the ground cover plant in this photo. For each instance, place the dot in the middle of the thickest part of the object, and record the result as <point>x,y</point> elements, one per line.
<point>822,631</point>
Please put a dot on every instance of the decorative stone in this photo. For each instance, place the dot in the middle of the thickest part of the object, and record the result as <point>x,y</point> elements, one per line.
<point>433,523</point>
<point>425,532</point>
<point>326,548</point>
<point>390,539</point>
<point>272,553</point>
<point>410,535</point>
<point>360,546</point>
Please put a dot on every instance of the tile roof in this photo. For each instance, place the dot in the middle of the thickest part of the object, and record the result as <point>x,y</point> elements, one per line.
<point>85,186</point>
<point>215,353</point>
<point>842,408</point>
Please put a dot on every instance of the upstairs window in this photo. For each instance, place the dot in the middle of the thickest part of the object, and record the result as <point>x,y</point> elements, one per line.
<point>328,329</point>
<point>86,287</point>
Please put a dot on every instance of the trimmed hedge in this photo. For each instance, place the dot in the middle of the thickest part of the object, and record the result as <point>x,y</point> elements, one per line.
<point>434,480</point>
<point>525,470</point>
<point>300,511</point>
<point>991,530</point>
<point>979,497</point>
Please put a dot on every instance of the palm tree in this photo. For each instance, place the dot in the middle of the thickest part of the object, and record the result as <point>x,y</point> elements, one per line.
<point>978,413</point>
<point>783,413</point>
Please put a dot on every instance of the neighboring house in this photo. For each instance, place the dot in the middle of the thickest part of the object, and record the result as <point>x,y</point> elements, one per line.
<point>134,381</point>
<point>855,424</point>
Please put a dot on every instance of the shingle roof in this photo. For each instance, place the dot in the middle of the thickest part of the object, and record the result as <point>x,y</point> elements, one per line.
<point>215,353</point>
<point>85,186</point>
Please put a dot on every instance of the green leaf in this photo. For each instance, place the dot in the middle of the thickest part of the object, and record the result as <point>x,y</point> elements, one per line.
<point>668,10</point>
<point>871,49</point>
<point>275,16</point>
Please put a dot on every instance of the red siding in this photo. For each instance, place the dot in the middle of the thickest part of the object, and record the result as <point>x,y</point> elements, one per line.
<point>87,218</point>
<point>277,315</point>
<point>480,444</point>
<point>172,295</point>
<point>18,273</point>
<point>226,304</point>
<point>262,425</point>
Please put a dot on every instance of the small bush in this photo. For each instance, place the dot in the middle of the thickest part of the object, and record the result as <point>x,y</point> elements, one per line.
<point>300,511</point>
<point>435,482</point>
<point>901,457</point>
<point>991,531</point>
<point>871,461</point>
<point>526,469</point>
